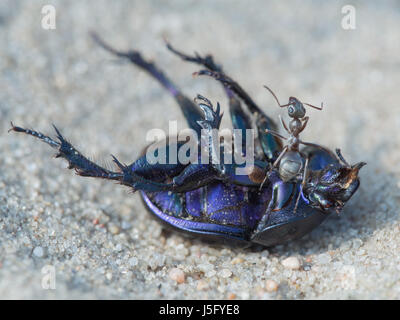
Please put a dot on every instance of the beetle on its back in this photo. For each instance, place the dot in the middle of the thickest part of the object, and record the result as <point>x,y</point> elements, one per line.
<point>211,200</point>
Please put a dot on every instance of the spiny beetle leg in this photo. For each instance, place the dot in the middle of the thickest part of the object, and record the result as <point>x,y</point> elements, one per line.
<point>188,108</point>
<point>240,120</point>
<point>125,176</point>
<point>82,165</point>
<point>207,61</point>
<point>192,177</point>
<point>270,145</point>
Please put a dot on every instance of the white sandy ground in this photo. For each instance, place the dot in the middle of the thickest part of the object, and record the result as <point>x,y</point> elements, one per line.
<point>48,215</point>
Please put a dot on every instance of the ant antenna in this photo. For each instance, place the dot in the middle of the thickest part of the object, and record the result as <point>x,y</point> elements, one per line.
<point>288,104</point>
<point>273,94</point>
<point>318,108</point>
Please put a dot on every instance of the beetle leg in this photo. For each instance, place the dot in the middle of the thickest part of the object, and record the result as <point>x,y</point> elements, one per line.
<point>207,61</point>
<point>340,156</point>
<point>188,108</point>
<point>265,218</point>
<point>82,165</point>
<point>150,177</point>
<point>192,177</point>
<point>240,120</point>
<point>210,124</point>
<point>271,145</point>
<point>303,183</point>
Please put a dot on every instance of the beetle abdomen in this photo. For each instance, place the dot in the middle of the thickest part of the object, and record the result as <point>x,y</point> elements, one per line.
<point>218,211</point>
<point>217,203</point>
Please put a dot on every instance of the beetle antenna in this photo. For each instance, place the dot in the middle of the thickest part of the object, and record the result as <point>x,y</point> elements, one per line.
<point>339,154</point>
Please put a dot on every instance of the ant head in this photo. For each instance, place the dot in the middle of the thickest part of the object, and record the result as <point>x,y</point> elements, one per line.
<point>295,108</point>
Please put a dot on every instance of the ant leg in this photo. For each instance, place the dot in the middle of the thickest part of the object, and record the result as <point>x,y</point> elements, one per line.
<point>189,109</point>
<point>285,149</point>
<point>304,123</point>
<point>284,124</point>
<point>311,144</point>
<point>275,134</point>
<point>82,165</point>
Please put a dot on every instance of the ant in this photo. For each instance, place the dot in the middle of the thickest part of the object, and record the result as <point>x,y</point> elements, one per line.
<point>292,163</point>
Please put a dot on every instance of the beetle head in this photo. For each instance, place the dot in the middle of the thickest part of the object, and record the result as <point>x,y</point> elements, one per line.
<point>334,185</point>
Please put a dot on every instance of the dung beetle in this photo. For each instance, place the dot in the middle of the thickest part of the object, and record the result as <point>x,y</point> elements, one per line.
<point>266,206</point>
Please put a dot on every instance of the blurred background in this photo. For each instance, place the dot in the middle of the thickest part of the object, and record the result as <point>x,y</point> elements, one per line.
<point>98,238</point>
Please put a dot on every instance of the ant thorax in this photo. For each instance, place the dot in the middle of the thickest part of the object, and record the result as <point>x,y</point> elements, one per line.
<point>293,143</point>
<point>295,126</point>
<point>291,163</point>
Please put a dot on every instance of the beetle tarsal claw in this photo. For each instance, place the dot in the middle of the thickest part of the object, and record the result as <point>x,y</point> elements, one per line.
<point>339,206</point>
<point>120,165</point>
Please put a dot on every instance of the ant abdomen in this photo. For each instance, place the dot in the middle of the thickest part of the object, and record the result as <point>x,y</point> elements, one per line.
<point>290,166</point>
